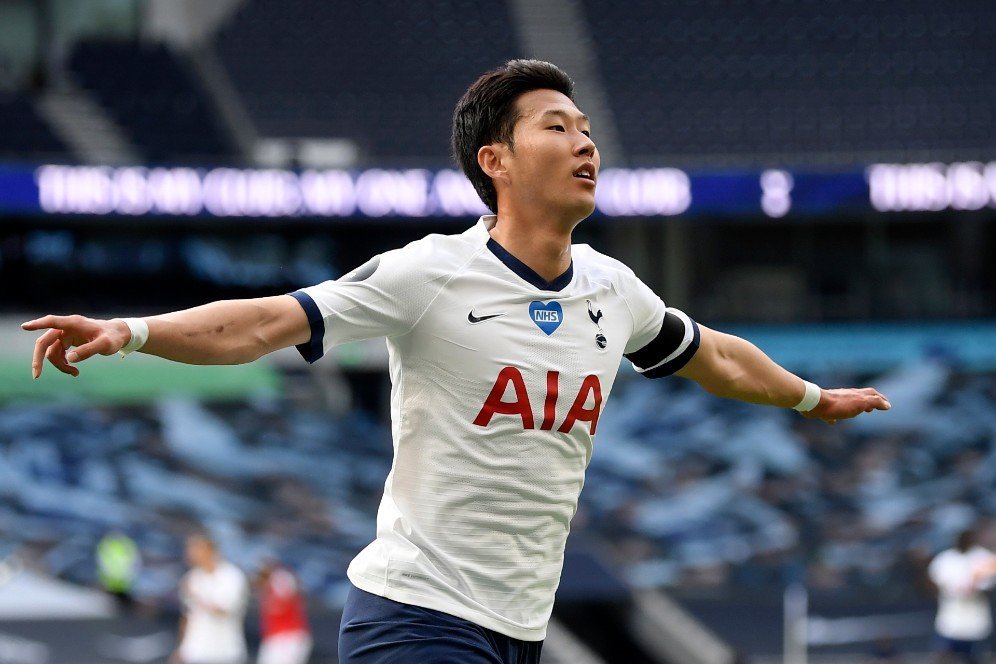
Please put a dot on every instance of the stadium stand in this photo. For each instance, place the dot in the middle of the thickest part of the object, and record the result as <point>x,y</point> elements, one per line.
<point>703,493</point>
<point>384,74</point>
<point>24,133</point>
<point>802,83</point>
<point>307,491</point>
<point>151,94</point>
<point>687,491</point>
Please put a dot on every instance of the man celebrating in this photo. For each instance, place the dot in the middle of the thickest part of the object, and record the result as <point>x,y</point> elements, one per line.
<point>504,343</point>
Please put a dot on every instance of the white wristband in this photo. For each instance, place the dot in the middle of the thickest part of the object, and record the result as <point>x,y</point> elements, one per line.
<point>810,398</point>
<point>139,334</point>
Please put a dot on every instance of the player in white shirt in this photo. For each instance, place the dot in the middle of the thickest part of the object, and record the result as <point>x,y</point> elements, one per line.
<point>964,622</point>
<point>214,595</point>
<point>504,343</point>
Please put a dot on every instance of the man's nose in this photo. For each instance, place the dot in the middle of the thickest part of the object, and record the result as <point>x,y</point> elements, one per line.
<point>585,147</point>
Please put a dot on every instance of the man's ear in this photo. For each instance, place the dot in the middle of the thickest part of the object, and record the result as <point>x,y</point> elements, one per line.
<point>491,160</point>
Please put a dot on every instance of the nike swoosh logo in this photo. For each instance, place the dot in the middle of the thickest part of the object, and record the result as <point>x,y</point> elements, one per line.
<point>480,319</point>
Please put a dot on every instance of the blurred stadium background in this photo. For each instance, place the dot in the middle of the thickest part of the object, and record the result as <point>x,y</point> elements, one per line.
<point>817,176</point>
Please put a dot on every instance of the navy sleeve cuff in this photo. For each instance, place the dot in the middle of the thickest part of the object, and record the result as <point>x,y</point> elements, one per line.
<point>312,349</point>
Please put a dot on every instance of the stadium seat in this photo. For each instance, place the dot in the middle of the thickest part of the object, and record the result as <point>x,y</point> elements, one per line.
<point>345,81</point>
<point>149,92</point>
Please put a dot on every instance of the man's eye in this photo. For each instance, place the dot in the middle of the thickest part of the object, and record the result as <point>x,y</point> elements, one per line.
<point>586,133</point>
<point>557,127</point>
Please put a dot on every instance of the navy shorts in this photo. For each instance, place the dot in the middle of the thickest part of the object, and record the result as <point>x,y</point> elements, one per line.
<point>377,630</point>
<point>964,651</point>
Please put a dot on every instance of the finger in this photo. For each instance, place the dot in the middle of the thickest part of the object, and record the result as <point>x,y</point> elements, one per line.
<point>49,321</point>
<point>41,346</point>
<point>100,345</point>
<point>882,404</point>
<point>879,402</point>
<point>56,354</point>
<point>879,397</point>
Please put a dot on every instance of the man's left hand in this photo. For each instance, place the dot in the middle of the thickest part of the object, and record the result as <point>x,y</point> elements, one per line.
<point>845,403</point>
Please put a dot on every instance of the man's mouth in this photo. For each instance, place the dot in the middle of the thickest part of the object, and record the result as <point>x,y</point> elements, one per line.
<point>585,173</point>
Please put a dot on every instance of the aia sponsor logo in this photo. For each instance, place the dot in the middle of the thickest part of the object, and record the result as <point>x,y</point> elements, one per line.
<point>521,406</point>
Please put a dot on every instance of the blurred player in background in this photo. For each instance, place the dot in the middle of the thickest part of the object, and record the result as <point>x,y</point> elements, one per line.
<point>214,595</point>
<point>964,623</point>
<point>118,564</point>
<point>284,634</point>
<point>504,344</point>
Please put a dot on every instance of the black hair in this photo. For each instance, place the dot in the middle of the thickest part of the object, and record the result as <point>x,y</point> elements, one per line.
<point>486,114</point>
<point>965,540</point>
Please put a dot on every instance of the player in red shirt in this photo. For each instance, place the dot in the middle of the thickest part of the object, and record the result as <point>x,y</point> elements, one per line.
<point>285,635</point>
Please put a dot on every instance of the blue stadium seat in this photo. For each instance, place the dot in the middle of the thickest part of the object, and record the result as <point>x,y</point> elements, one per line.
<point>338,70</point>
<point>844,82</point>
<point>149,92</point>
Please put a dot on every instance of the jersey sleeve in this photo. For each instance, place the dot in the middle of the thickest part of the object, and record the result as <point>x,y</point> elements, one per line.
<point>664,339</point>
<point>384,297</point>
<point>935,571</point>
<point>951,574</point>
<point>231,592</point>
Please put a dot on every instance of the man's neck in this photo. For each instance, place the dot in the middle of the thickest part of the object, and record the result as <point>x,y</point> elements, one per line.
<point>540,242</point>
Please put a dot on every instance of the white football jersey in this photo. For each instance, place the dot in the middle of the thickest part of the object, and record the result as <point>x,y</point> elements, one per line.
<point>498,380</point>
<point>963,611</point>
<point>211,635</point>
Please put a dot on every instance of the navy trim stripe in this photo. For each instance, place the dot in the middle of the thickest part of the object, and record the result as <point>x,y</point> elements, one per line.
<point>668,340</point>
<point>527,273</point>
<point>312,349</point>
<point>677,363</point>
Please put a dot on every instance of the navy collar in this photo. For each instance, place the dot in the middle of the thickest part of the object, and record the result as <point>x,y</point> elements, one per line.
<point>527,273</point>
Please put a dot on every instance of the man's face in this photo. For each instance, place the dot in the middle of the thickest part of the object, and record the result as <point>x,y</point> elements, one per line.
<point>554,163</point>
<point>200,553</point>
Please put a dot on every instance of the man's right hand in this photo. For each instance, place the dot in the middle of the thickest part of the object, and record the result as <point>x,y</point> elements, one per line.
<point>68,340</point>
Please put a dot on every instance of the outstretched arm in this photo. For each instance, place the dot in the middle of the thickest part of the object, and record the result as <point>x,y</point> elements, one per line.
<point>984,573</point>
<point>223,332</point>
<point>731,367</point>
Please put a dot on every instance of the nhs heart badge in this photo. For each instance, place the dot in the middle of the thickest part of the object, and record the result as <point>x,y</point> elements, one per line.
<point>546,316</point>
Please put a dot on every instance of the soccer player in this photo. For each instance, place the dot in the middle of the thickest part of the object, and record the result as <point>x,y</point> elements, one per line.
<point>285,637</point>
<point>118,564</point>
<point>214,594</point>
<point>962,575</point>
<point>504,343</point>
